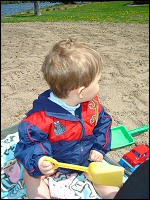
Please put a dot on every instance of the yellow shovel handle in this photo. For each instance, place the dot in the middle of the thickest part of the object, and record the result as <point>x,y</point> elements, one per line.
<point>66,165</point>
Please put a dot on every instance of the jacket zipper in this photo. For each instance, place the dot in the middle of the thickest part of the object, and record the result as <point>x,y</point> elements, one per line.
<point>81,145</point>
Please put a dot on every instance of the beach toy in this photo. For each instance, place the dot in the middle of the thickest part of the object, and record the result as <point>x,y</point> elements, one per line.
<point>121,136</point>
<point>100,173</point>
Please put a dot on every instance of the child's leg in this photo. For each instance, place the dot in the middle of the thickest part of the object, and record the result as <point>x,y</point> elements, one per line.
<point>106,192</point>
<point>36,187</point>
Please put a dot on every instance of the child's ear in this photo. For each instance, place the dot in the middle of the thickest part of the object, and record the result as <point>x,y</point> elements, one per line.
<point>80,92</point>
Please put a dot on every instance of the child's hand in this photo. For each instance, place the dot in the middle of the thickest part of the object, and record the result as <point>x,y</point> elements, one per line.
<point>96,156</point>
<point>46,167</point>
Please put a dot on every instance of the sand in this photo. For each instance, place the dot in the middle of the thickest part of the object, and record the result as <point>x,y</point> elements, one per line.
<point>124,87</point>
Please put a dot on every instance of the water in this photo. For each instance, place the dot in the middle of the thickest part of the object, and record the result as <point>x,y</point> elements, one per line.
<point>8,9</point>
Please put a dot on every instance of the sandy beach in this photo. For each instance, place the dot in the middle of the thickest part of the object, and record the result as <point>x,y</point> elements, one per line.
<point>124,87</point>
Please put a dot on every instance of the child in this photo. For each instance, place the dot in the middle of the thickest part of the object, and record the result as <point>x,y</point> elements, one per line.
<point>68,121</point>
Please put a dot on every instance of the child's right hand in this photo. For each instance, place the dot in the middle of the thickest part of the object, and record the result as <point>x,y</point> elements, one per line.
<point>46,167</point>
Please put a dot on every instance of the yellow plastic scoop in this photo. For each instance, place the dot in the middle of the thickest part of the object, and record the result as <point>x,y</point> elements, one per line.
<point>100,173</point>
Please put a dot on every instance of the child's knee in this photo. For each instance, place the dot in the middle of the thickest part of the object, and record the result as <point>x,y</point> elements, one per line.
<point>106,192</point>
<point>36,187</point>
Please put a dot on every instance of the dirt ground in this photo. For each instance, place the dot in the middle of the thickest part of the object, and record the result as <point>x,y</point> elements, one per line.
<point>124,89</point>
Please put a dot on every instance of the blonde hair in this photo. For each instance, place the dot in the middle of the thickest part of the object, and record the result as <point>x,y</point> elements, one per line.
<point>69,65</point>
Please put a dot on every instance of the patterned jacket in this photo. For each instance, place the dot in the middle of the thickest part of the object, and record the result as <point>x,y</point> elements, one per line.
<point>50,130</point>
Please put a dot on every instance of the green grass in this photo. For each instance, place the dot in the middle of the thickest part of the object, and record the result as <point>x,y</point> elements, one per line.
<point>116,11</point>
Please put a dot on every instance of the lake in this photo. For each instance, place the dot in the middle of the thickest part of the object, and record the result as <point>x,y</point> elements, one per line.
<point>8,9</point>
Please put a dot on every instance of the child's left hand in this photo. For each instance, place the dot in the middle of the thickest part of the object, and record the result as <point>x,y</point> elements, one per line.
<point>96,156</point>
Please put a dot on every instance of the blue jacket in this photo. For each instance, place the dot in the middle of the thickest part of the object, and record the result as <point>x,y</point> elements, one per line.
<point>50,130</point>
